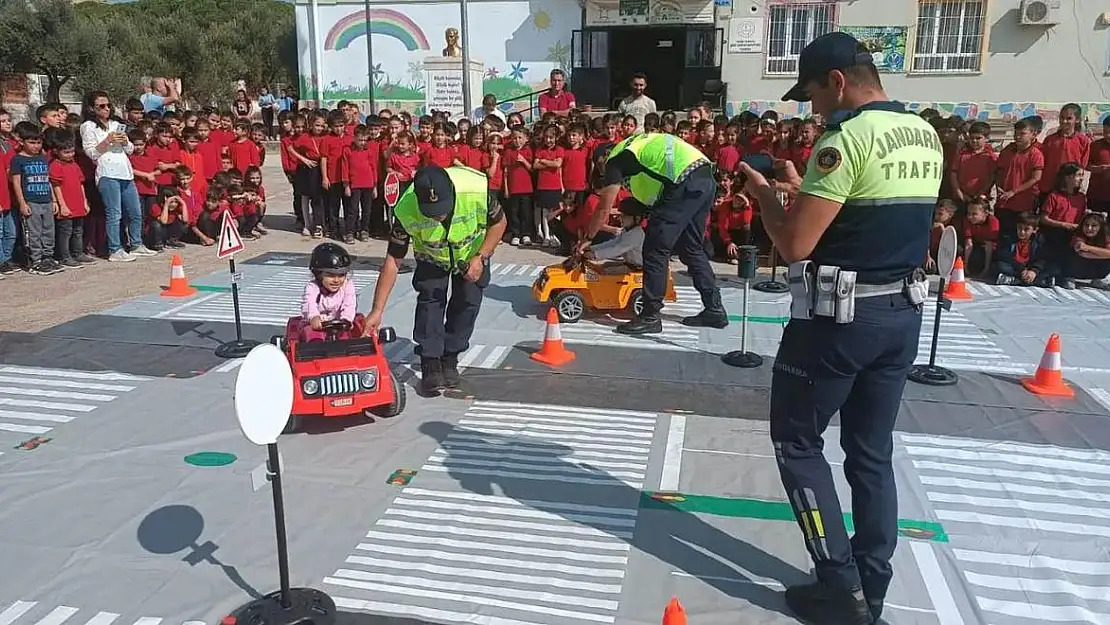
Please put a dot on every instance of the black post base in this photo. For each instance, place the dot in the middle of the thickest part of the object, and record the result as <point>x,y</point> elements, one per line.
<point>307,606</point>
<point>236,349</point>
<point>771,286</point>
<point>933,375</point>
<point>744,360</point>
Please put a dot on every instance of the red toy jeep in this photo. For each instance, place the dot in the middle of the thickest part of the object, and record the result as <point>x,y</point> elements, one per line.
<point>342,375</point>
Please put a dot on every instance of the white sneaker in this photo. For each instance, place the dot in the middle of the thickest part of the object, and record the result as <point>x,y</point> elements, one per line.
<point>142,250</point>
<point>515,241</point>
<point>121,256</point>
<point>526,241</point>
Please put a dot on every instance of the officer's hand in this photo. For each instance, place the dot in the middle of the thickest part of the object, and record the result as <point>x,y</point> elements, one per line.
<point>755,179</point>
<point>474,271</point>
<point>581,247</point>
<point>371,324</point>
<point>787,174</point>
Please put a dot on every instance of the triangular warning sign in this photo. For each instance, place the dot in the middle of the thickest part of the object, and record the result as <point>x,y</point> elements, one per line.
<point>230,241</point>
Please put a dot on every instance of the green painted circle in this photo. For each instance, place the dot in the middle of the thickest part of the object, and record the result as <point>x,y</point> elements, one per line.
<point>210,459</point>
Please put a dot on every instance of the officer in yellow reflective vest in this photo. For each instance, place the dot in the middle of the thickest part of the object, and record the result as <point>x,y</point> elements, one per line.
<point>675,181</point>
<point>446,217</point>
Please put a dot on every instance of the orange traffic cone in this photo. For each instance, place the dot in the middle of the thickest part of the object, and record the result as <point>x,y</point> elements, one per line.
<point>674,614</point>
<point>1049,378</point>
<point>957,284</point>
<point>179,284</point>
<point>552,353</point>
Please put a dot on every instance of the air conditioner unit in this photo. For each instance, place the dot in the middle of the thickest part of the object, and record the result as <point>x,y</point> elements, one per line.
<point>1040,12</point>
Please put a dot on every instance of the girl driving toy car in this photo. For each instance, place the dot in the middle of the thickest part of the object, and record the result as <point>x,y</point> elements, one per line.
<point>330,295</point>
<point>627,246</point>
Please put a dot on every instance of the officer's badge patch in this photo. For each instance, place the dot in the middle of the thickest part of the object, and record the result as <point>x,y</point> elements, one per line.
<point>828,159</point>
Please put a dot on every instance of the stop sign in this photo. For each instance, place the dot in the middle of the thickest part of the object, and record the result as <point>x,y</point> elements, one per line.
<point>391,191</point>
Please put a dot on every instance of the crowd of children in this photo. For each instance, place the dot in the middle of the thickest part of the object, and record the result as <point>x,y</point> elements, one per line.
<point>1032,212</point>
<point>189,169</point>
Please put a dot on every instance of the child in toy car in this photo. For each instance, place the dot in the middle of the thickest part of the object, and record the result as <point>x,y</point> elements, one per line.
<point>330,295</point>
<point>626,247</point>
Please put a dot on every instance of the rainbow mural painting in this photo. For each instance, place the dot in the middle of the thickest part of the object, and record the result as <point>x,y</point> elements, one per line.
<point>382,22</point>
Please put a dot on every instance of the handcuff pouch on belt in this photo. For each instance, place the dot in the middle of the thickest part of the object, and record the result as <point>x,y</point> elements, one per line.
<point>829,291</point>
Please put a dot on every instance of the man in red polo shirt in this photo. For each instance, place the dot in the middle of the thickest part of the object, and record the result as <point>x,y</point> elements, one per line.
<point>557,99</point>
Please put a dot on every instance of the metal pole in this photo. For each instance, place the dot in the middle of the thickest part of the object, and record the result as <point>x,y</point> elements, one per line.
<point>274,462</point>
<point>464,36</point>
<point>235,301</point>
<point>369,59</point>
<point>744,321</point>
<point>936,325</point>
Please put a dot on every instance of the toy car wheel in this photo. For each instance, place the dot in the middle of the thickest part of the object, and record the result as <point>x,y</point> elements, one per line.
<point>293,425</point>
<point>399,398</point>
<point>570,306</point>
<point>636,303</point>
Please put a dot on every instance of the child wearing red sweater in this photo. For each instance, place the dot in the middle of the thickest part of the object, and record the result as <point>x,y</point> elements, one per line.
<point>360,178</point>
<point>517,163</point>
<point>972,171</point>
<point>1017,175</point>
<point>244,153</point>
<point>548,165</point>
<point>439,151</point>
<point>1066,145</point>
<point>468,153</point>
<point>733,217</point>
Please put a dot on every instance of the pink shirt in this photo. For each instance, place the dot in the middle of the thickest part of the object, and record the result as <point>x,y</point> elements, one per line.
<point>329,306</point>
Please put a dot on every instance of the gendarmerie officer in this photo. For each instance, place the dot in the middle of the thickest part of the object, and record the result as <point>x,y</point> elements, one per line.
<point>675,181</point>
<point>453,229</point>
<point>855,236</point>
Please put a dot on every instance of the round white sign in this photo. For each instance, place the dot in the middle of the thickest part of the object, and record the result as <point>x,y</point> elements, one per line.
<point>264,394</point>
<point>946,252</point>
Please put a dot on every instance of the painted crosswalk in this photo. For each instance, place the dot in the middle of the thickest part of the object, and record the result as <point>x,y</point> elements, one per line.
<point>34,401</point>
<point>960,343</point>
<point>37,613</point>
<point>500,272</point>
<point>269,302</point>
<point>1055,295</point>
<point>447,554</point>
<point>1020,519</point>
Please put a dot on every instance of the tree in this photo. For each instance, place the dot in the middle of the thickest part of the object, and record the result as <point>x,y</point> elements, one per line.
<point>47,37</point>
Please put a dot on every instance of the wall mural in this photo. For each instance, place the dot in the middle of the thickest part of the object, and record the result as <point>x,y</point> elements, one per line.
<point>1094,112</point>
<point>518,42</point>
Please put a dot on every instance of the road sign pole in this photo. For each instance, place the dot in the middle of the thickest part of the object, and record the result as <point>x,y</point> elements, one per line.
<point>772,285</point>
<point>230,244</point>
<point>279,524</point>
<point>931,374</point>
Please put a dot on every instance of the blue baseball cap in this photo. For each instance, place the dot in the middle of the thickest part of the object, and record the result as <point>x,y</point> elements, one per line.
<point>831,51</point>
<point>435,193</point>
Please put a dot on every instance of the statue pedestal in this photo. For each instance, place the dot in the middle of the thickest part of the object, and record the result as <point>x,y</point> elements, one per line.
<point>443,85</point>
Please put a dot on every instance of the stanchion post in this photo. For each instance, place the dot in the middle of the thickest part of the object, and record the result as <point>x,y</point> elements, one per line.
<point>746,267</point>
<point>772,285</point>
<point>931,374</point>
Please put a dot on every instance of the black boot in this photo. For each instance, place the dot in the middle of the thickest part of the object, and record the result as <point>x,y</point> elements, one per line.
<point>707,319</point>
<point>451,370</point>
<point>819,604</point>
<point>641,325</point>
<point>431,376</point>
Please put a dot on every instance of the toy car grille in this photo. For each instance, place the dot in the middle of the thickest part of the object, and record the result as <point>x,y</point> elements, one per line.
<point>340,384</point>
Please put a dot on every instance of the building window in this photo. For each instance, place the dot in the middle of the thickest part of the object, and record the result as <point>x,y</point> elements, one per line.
<point>949,37</point>
<point>792,25</point>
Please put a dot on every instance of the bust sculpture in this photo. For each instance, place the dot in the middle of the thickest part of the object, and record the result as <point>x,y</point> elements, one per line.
<point>451,35</point>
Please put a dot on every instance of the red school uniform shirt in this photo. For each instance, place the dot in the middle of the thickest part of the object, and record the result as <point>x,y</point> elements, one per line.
<point>211,154</point>
<point>5,188</point>
<point>517,176</point>
<point>194,201</point>
<point>728,157</point>
<point>163,155</point>
<point>550,179</point>
<point>288,163</point>
<point>146,163</point>
<point>799,155</point>
<point>195,162</point>
<point>1058,149</point>
<point>72,181</point>
<point>986,232</point>
<point>1063,207</point>
<point>309,146</point>
<point>221,137</point>
<point>405,165</point>
<point>469,156</point>
<point>1015,167</point>
<point>497,178</point>
<point>975,171</point>
<point>731,217</point>
<point>421,146</point>
<point>332,148</point>
<point>244,154</point>
<point>360,166</point>
<point>576,168</point>
<point>1098,189</point>
<point>759,144</point>
<point>432,155</point>
<point>156,213</point>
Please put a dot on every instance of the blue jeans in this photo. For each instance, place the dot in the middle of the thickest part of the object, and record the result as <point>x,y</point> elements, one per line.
<point>7,235</point>
<point>120,197</point>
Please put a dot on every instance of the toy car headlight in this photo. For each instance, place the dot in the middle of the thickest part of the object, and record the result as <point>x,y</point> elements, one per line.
<point>369,379</point>
<point>310,386</point>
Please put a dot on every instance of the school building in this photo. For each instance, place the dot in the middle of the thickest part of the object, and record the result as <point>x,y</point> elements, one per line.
<point>985,59</point>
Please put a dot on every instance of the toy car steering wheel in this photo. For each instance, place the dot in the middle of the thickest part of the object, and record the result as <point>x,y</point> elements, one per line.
<point>336,327</point>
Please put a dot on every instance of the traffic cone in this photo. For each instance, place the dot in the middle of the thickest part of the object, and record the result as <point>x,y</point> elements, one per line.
<point>552,353</point>
<point>1049,378</point>
<point>957,285</point>
<point>179,284</point>
<point>674,614</point>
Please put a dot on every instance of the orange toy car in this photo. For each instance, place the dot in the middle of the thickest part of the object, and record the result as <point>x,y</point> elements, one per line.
<point>344,374</point>
<point>577,285</point>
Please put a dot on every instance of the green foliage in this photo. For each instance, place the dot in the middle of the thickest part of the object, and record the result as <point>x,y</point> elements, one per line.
<point>208,44</point>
